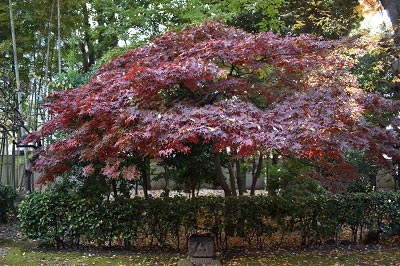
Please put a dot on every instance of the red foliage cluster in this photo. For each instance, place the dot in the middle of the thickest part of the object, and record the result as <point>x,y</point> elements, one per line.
<point>212,83</point>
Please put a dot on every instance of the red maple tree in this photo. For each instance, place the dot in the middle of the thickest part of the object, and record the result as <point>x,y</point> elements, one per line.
<point>244,93</point>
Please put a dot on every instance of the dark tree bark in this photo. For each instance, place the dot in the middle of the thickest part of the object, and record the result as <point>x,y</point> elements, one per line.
<point>145,176</point>
<point>232,179</point>
<point>86,45</point>
<point>256,173</point>
<point>220,175</point>
<point>392,7</point>
<point>240,178</point>
<point>114,187</point>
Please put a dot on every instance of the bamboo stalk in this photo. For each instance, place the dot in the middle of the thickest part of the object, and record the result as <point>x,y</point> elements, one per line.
<point>2,151</point>
<point>59,38</point>
<point>13,165</point>
<point>19,92</point>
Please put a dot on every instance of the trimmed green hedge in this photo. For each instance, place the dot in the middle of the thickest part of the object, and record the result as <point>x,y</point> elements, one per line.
<point>66,220</point>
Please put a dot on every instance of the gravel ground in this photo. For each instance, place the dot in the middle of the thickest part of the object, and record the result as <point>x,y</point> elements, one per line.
<point>3,252</point>
<point>202,192</point>
<point>10,232</point>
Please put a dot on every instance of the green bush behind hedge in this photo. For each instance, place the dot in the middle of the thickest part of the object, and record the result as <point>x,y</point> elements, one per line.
<point>69,220</point>
<point>8,195</point>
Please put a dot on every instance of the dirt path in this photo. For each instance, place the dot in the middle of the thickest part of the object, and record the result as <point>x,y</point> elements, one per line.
<point>10,232</point>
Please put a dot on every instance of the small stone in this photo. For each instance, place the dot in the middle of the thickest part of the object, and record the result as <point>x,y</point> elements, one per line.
<point>184,262</point>
<point>215,263</point>
<point>346,242</point>
<point>330,242</point>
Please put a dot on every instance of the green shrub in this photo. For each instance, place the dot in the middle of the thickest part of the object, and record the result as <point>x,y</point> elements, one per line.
<point>8,196</point>
<point>361,185</point>
<point>42,216</point>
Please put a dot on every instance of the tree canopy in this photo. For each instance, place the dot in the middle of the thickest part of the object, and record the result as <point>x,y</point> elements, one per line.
<point>331,19</point>
<point>241,92</point>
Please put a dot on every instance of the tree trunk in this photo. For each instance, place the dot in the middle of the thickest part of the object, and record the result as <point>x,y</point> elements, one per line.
<point>145,176</point>
<point>86,45</point>
<point>232,179</point>
<point>392,8</point>
<point>166,178</point>
<point>220,175</point>
<point>144,184</point>
<point>240,178</point>
<point>114,187</point>
<point>256,173</point>
<point>148,172</point>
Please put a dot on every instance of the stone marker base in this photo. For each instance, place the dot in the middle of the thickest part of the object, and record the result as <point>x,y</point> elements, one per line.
<point>203,262</point>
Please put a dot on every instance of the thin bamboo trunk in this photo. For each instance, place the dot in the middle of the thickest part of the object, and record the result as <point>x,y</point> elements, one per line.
<point>8,174</point>
<point>2,152</point>
<point>14,44</point>
<point>59,37</point>
<point>19,92</point>
<point>46,70</point>
<point>42,95</point>
<point>13,166</point>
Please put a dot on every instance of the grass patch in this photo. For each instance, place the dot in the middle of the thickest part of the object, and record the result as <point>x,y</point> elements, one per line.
<point>21,256</point>
<point>24,253</point>
<point>335,257</point>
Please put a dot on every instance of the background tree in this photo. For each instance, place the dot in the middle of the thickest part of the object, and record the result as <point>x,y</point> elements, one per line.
<point>392,8</point>
<point>380,69</point>
<point>328,18</point>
